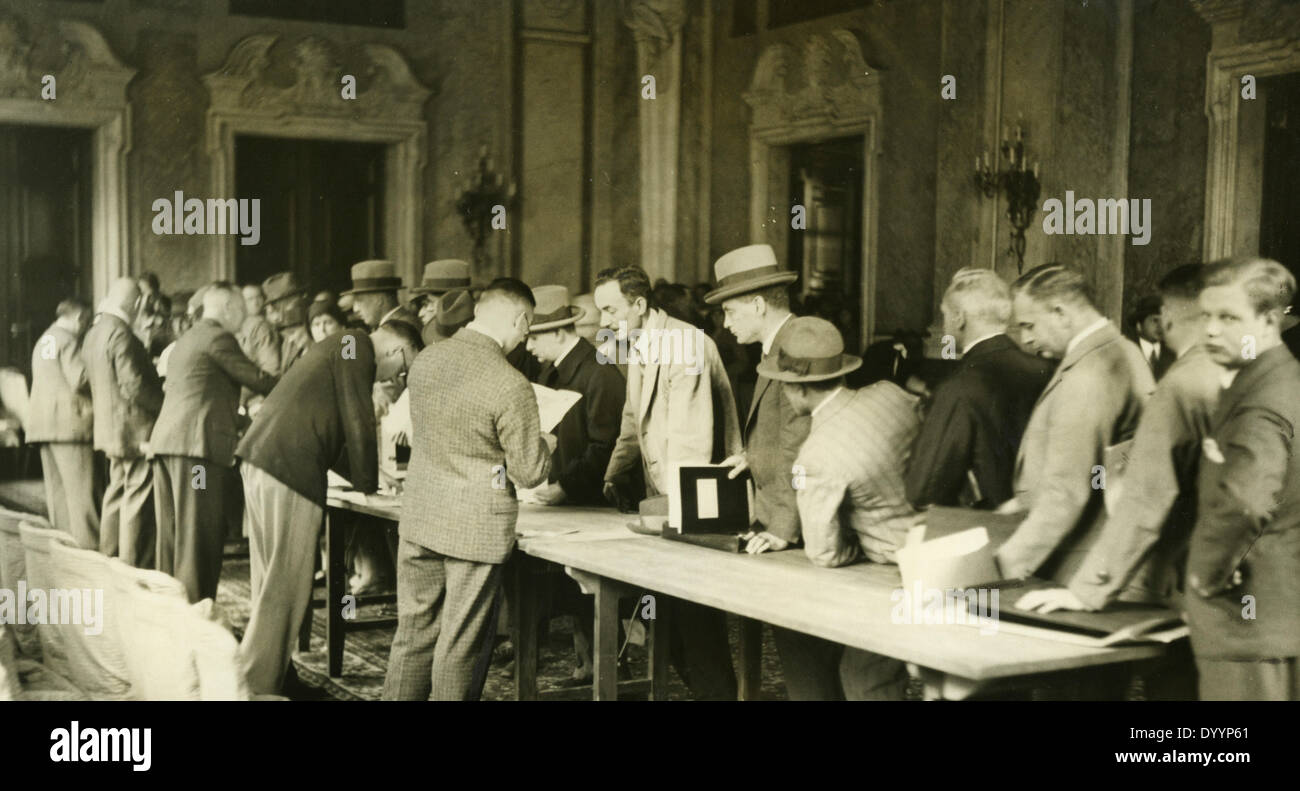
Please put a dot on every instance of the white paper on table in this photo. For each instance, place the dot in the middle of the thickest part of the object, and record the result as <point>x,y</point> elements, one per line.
<point>552,405</point>
<point>959,560</point>
<point>398,417</point>
<point>335,481</point>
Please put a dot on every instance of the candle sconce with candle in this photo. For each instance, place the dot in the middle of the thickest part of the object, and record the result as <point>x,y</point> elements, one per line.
<point>1019,181</point>
<point>477,204</point>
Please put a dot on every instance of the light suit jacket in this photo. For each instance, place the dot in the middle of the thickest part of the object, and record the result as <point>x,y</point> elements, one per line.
<point>680,409</point>
<point>1093,401</point>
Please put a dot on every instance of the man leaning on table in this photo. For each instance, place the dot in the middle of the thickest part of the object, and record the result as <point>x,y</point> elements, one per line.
<point>319,410</point>
<point>848,476</point>
<point>1092,403</point>
<point>476,435</point>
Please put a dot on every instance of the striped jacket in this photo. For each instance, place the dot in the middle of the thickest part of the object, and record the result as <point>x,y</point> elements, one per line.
<point>849,475</point>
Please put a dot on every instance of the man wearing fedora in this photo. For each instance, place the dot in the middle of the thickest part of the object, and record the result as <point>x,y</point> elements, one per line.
<point>679,410</point>
<point>455,310</point>
<point>752,290</point>
<point>587,433</point>
<point>286,309</point>
<point>192,447</point>
<point>848,479</point>
<point>440,277</point>
<point>374,295</point>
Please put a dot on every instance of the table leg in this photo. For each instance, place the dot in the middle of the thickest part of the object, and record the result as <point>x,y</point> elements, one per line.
<point>524,630</point>
<point>660,629</point>
<point>605,649</point>
<point>335,586</point>
<point>751,658</point>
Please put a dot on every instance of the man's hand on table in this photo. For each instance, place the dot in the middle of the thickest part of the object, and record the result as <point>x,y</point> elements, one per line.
<point>614,496</point>
<point>549,494</point>
<point>1011,506</point>
<point>1051,600</point>
<point>762,541</point>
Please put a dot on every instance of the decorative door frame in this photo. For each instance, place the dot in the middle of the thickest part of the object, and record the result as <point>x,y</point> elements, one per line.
<point>821,91</point>
<point>388,108</point>
<point>90,93</point>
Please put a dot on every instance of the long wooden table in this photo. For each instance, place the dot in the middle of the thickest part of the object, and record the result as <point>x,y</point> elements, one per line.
<point>850,605</point>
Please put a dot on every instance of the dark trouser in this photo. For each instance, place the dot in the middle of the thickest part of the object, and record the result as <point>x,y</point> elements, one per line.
<point>1258,679</point>
<point>868,676</point>
<point>810,664</point>
<point>190,501</point>
<point>71,493</point>
<point>127,526</point>
<point>700,652</point>
<point>446,618</point>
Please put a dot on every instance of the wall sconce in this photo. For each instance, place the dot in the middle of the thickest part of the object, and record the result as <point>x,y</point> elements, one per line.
<point>478,204</point>
<point>1019,181</point>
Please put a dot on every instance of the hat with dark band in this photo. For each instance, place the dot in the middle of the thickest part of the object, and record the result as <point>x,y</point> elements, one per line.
<point>455,310</point>
<point>747,269</point>
<point>282,285</point>
<point>372,276</point>
<point>443,275</point>
<point>553,309</point>
<point>811,350</point>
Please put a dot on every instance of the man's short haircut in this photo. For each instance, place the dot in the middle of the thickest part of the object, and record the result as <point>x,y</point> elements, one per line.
<point>257,286</point>
<point>404,332</point>
<point>777,296</point>
<point>1053,282</point>
<point>981,293</point>
<point>632,282</point>
<point>509,289</point>
<point>69,308</point>
<point>1183,282</point>
<point>1268,284</point>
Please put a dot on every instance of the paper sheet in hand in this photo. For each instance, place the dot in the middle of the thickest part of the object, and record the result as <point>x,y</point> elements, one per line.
<point>960,560</point>
<point>553,404</point>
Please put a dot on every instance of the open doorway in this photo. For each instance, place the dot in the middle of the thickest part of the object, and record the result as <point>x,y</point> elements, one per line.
<point>321,207</point>
<point>1279,233</point>
<point>45,231</point>
<point>826,179</point>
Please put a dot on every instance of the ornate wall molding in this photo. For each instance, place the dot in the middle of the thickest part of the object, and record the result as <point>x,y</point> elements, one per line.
<point>249,96</point>
<point>821,88</point>
<point>1225,198</point>
<point>90,92</point>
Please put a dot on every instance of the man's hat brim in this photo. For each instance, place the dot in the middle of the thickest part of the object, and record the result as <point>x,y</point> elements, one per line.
<point>575,313</point>
<point>295,293</point>
<point>736,289</point>
<point>848,364</point>
<point>375,285</point>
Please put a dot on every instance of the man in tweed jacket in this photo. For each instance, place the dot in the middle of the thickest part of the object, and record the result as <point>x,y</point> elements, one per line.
<point>476,437</point>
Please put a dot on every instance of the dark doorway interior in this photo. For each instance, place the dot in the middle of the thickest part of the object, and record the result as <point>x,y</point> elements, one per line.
<point>321,212</point>
<point>45,231</point>
<point>826,179</point>
<point>1279,231</point>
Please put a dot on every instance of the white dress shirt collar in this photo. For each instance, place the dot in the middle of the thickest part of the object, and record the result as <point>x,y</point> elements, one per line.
<point>389,315</point>
<point>971,345</point>
<point>1085,332</point>
<point>826,401</point>
<point>568,348</point>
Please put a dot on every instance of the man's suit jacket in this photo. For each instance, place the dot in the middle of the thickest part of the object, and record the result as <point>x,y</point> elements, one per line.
<point>476,436</point>
<point>1248,519</point>
<point>586,435</point>
<point>61,408</point>
<point>1143,547</point>
<point>319,409</point>
<point>1093,401</point>
<point>852,501</point>
<point>260,342</point>
<point>124,387</point>
<point>294,342</point>
<point>200,414</point>
<point>679,410</point>
<point>974,424</point>
<point>773,434</point>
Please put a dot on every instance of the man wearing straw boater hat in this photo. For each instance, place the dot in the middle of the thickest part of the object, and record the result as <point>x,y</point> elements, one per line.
<point>753,291</point>
<point>441,277</point>
<point>848,476</point>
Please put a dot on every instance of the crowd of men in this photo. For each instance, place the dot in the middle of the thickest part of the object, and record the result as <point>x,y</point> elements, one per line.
<point>225,422</point>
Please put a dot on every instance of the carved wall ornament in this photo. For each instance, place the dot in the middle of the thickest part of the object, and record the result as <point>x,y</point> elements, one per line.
<point>72,51</point>
<point>248,80</point>
<point>828,77</point>
<point>655,24</point>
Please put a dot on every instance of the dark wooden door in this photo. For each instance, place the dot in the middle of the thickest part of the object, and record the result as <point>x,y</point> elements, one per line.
<point>321,208</point>
<point>45,194</point>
